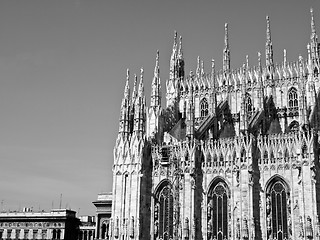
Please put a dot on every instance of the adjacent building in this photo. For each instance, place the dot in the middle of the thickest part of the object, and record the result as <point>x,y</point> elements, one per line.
<point>87,228</point>
<point>56,224</point>
<point>103,215</point>
<point>234,153</point>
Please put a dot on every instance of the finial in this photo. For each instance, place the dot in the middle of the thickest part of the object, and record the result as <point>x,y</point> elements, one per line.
<point>202,68</point>
<point>126,88</point>
<point>247,62</point>
<point>300,64</point>
<point>156,68</point>
<point>213,70</point>
<point>175,42</point>
<point>284,57</point>
<point>259,60</point>
<point>198,67</point>
<point>141,90</point>
<point>226,38</point>
<point>313,27</point>
<point>309,51</point>
<point>141,74</point>
<point>128,74</point>
<point>268,29</point>
<point>180,53</point>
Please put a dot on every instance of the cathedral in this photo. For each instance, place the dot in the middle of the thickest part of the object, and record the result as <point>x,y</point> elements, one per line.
<point>233,154</point>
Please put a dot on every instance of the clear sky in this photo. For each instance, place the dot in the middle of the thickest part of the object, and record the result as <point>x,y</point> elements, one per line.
<point>63,68</point>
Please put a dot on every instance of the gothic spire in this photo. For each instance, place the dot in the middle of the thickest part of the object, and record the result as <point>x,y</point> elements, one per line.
<point>124,111</point>
<point>284,57</point>
<point>139,111</point>
<point>269,50</point>
<point>198,70</point>
<point>259,62</point>
<point>313,26</point>
<point>226,51</point>
<point>134,90</point>
<point>180,51</point>
<point>155,88</point>
<point>180,61</point>
<point>173,57</point>
<point>141,87</point>
<point>313,38</point>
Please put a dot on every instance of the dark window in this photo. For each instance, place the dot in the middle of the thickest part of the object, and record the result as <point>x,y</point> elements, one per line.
<point>164,214</point>
<point>277,211</point>
<point>204,107</point>
<point>293,99</point>
<point>218,212</point>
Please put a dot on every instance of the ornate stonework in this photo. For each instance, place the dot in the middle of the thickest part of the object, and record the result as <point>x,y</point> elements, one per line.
<point>233,155</point>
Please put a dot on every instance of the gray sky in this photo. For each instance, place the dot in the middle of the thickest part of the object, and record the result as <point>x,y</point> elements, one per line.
<point>63,67</point>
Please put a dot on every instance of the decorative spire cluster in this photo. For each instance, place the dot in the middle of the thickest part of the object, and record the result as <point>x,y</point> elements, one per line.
<point>132,113</point>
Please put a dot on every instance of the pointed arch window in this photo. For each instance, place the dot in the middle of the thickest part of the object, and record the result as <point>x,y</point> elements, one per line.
<point>163,214</point>
<point>293,99</point>
<point>218,212</point>
<point>204,107</point>
<point>278,210</point>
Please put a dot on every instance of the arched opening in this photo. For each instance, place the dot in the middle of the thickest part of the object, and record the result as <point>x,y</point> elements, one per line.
<point>218,212</point>
<point>85,235</point>
<point>80,235</point>
<point>58,234</point>
<point>104,231</point>
<point>294,126</point>
<point>204,106</point>
<point>278,210</point>
<point>54,234</point>
<point>243,155</point>
<point>293,99</point>
<point>163,214</point>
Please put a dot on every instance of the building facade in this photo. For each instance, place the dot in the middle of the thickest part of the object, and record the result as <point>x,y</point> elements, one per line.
<point>103,215</point>
<point>234,154</point>
<point>57,224</point>
<point>87,228</point>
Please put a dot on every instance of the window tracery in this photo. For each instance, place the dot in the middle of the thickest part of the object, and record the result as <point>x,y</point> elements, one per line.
<point>163,214</point>
<point>218,211</point>
<point>278,210</point>
<point>204,108</point>
<point>293,99</point>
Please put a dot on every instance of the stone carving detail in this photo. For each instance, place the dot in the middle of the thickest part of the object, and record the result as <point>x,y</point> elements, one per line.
<point>132,227</point>
<point>309,231</point>
<point>186,228</point>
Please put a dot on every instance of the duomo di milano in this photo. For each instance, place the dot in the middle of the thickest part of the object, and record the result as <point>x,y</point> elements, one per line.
<point>234,154</point>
